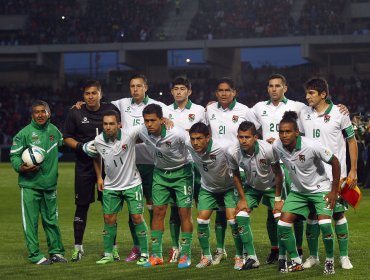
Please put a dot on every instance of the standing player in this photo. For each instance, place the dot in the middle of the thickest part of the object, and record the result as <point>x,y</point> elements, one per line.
<point>38,183</point>
<point>172,178</point>
<point>219,170</point>
<point>263,182</point>
<point>132,115</point>
<point>122,183</point>
<point>224,118</point>
<point>311,187</point>
<point>323,121</point>
<point>80,127</point>
<point>184,114</point>
<point>269,114</point>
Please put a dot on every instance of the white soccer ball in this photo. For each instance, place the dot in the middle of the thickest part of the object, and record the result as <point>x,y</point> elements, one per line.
<point>33,156</point>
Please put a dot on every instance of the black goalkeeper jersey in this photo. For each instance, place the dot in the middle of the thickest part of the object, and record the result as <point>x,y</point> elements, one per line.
<point>82,125</point>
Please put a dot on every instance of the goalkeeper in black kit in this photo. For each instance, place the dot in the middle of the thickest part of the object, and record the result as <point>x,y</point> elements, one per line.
<point>81,126</point>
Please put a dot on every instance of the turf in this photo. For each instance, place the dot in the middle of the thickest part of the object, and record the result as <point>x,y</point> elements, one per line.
<point>13,255</point>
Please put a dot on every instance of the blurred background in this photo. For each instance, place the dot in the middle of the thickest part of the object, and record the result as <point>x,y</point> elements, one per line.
<point>47,48</point>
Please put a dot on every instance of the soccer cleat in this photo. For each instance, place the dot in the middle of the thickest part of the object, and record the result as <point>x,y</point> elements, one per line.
<point>239,262</point>
<point>283,268</point>
<point>76,255</point>
<point>204,262</point>
<point>219,256</point>
<point>153,260</point>
<point>133,255</point>
<point>250,264</point>
<point>58,258</point>
<point>184,262</point>
<point>329,267</point>
<point>105,260</point>
<point>44,261</point>
<point>345,262</point>
<point>115,254</point>
<point>272,257</point>
<point>174,255</point>
<point>310,262</point>
<point>294,267</point>
<point>142,260</point>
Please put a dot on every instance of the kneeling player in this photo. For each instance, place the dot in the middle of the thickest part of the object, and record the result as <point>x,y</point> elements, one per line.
<point>219,175</point>
<point>310,187</point>
<point>122,183</point>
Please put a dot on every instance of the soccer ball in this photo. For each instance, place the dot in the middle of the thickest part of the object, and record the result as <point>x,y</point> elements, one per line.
<point>33,156</point>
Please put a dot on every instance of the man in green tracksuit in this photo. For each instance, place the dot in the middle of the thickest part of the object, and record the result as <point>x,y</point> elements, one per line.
<point>38,183</point>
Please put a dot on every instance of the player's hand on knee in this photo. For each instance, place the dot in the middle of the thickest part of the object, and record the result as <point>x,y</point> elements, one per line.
<point>89,149</point>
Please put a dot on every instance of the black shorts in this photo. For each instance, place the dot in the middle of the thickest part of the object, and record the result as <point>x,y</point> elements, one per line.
<point>85,187</point>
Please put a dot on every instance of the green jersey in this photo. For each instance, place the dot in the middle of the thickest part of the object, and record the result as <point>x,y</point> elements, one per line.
<point>46,137</point>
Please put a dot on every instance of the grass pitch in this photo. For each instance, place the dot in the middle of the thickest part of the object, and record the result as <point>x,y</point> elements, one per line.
<point>13,255</point>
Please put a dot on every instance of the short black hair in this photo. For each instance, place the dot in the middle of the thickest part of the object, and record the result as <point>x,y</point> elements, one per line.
<point>181,80</point>
<point>290,117</point>
<point>153,109</point>
<point>317,83</point>
<point>139,76</point>
<point>277,76</point>
<point>91,83</point>
<point>226,80</point>
<point>247,125</point>
<point>199,127</point>
<point>40,103</point>
<point>113,113</point>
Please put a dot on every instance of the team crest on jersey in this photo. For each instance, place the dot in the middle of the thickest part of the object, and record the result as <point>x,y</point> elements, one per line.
<point>191,117</point>
<point>264,114</point>
<point>85,120</point>
<point>263,161</point>
<point>326,118</point>
<point>235,119</point>
<point>212,157</point>
<point>124,147</point>
<point>302,158</point>
<point>51,138</point>
<point>168,144</point>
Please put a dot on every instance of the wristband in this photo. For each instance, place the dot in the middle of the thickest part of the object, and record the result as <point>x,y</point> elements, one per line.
<point>277,198</point>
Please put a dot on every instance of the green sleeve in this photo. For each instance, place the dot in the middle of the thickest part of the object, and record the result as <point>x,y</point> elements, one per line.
<point>18,146</point>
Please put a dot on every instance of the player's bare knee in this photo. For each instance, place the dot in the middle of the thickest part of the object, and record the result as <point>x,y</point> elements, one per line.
<point>136,218</point>
<point>110,219</point>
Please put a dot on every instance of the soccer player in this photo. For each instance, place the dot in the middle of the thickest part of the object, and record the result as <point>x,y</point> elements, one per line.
<point>122,183</point>
<point>132,115</point>
<point>183,113</point>
<point>172,178</point>
<point>311,187</point>
<point>263,182</point>
<point>224,118</point>
<point>269,114</point>
<point>38,184</point>
<point>219,170</point>
<point>323,121</point>
<point>80,127</point>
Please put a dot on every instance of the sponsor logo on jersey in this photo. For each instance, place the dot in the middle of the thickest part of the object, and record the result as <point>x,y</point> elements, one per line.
<point>326,118</point>
<point>264,114</point>
<point>103,151</point>
<point>85,120</point>
<point>191,117</point>
<point>168,144</point>
<point>308,117</point>
<point>34,136</point>
<point>128,109</point>
<point>263,161</point>
<point>170,116</point>
<point>213,117</point>
<point>51,138</point>
<point>235,119</point>
<point>302,158</point>
<point>327,153</point>
<point>212,157</point>
<point>124,147</point>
